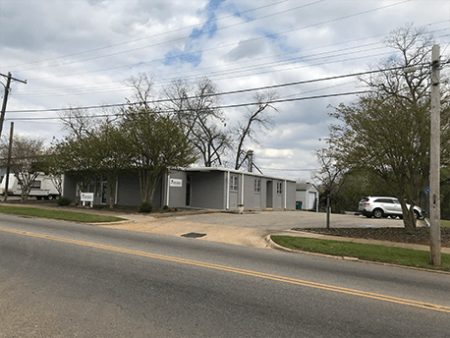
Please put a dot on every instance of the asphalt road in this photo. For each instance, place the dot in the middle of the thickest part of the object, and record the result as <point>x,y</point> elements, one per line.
<point>62,279</point>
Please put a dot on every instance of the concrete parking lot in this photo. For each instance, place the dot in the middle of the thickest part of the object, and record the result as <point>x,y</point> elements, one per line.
<point>284,220</point>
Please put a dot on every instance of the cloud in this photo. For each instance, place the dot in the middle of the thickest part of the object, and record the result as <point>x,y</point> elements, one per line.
<point>245,49</point>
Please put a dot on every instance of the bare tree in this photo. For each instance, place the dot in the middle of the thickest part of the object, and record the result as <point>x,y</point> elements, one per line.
<point>25,154</point>
<point>78,121</point>
<point>258,118</point>
<point>195,108</point>
<point>142,85</point>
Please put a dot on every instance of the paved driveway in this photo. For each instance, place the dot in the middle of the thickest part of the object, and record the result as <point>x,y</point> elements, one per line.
<point>249,229</point>
<point>284,220</point>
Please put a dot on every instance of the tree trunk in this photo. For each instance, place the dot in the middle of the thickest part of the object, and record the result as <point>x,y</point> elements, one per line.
<point>409,219</point>
<point>148,185</point>
<point>112,181</point>
<point>24,196</point>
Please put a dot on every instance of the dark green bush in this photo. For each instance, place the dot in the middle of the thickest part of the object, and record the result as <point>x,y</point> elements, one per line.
<point>64,201</point>
<point>145,207</point>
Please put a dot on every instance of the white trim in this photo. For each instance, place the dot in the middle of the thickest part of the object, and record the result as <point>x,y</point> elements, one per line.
<point>168,189</point>
<point>228,190</point>
<point>116,198</point>
<point>242,189</point>
<point>206,169</point>
<point>62,184</point>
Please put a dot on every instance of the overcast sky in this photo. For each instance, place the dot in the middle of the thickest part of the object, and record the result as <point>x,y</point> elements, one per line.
<point>79,53</point>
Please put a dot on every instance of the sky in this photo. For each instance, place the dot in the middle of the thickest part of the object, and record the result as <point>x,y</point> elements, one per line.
<point>79,53</point>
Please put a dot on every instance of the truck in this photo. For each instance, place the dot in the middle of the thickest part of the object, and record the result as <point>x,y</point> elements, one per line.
<point>42,188</point>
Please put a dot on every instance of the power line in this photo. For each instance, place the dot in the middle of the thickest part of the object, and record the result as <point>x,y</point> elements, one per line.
<point>163,111</point>
<point>239,91</point>
<point>241,70</point>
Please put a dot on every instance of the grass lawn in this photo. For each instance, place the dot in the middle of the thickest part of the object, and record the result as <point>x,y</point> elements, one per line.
<point>58,214</point>
<point>445,224</point>
<point>368,252</point>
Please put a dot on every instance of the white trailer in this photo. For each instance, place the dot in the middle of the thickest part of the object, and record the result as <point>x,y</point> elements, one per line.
<point>42,188</point>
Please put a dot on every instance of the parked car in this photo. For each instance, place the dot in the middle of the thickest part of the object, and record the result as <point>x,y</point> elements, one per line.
<point>379,206</point>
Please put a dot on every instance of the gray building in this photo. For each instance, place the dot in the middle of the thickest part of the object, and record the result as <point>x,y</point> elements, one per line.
<point>209,188</point>
<point>308,195</point>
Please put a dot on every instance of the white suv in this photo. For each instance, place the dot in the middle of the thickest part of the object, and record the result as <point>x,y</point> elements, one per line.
<point>380,206</point>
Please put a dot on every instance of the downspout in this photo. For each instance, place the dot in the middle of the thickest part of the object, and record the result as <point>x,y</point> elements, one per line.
<point>227,187</point>
<point>116,198</point>
<point>317,201</point>
<point>63,181</point>
<point>285,194</point>
<point>168,189</point>
<point>242,190</point>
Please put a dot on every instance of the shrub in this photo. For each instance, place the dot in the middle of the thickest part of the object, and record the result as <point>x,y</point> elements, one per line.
<point>145,207</point>
<point>64,201</point>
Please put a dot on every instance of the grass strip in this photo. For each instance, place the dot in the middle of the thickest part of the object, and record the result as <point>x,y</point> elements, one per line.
<point>370,252</point>
<point>445,224</point>
<point>58,214</point>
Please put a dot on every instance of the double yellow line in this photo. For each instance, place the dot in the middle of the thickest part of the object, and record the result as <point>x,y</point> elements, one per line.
<point>277,278</point>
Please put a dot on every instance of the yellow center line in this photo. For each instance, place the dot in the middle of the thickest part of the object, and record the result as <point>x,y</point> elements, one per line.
<point>327,287</point>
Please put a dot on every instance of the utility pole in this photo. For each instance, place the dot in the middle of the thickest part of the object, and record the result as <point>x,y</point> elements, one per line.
<point>435,152</point>
<point>9,161</point>
<point>5,97</point>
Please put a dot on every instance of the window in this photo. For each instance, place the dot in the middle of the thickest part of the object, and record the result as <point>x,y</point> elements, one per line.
<point>36,185</point>
<point>383,200</point>
<point>279,188</point>
<point>257,185</point>
<point>233,183</point>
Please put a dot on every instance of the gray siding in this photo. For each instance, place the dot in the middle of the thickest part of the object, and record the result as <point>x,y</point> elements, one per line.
<point>177,195</point>
<point>69,187</point>
<point>207,189</point>
<point>252,198</point>
<point>291,190</point>
<point>129,193</point>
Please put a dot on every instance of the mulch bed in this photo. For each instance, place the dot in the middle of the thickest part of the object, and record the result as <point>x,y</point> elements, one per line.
<point>400,235</point>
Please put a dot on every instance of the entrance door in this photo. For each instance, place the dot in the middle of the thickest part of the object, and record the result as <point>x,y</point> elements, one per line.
<point>188,190</point>
<point>269,194</point>
<point>311,200</point>
<point>104,187</point>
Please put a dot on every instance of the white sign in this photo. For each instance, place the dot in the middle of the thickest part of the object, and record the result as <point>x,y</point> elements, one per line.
<point>87,197</point>
<point>175,182</point>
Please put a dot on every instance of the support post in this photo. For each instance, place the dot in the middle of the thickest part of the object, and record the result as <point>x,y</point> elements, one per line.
<point>328,212</point>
